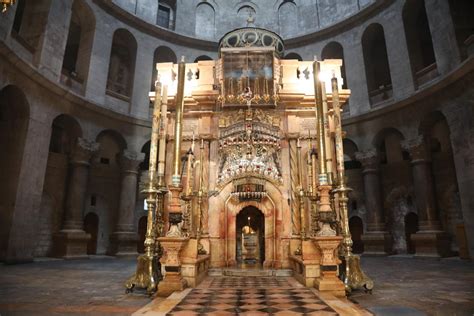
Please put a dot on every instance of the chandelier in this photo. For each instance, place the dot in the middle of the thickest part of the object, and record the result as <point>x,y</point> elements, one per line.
<point>5,4</point>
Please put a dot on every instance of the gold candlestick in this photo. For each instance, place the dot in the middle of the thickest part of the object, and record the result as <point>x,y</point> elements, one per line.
<point>178,128</point>
<point>318,98</point>
<point>353,276</point>
<point>148,273</point>
<point>301,191</point>
<point>162,138</point>
<point>201,249</point>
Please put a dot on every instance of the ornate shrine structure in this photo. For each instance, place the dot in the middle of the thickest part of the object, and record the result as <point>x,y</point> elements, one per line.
<point>248,144</point>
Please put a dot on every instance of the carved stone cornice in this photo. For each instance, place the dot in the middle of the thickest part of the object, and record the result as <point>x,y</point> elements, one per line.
<point>418,149</point>
<point>369,160</point>
<point>130,160</point>
<point>83,151</point>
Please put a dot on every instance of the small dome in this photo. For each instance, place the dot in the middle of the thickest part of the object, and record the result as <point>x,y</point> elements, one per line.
<point>252,37</point>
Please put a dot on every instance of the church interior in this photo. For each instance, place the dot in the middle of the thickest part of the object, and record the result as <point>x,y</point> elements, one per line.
<point>251,157</point>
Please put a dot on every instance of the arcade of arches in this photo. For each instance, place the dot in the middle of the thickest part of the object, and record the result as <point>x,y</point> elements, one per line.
<point>77,95</point>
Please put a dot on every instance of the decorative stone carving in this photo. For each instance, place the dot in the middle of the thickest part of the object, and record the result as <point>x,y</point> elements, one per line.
<point>418,149</point>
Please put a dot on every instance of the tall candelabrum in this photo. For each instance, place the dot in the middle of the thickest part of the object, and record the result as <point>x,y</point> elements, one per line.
<point>352,274</point>
<point>200,195</point>
<point>148,272</point>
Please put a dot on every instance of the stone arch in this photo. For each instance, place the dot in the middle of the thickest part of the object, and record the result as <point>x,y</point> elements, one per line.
<point>223,209</point>
<point>388,145</point>
<point>350,149</point>
<point>419,41</point>
<point>288,18</point>
<point>205,21</point>
<point>64,131</point>
<point>30,22</point>
<point>202,58</point>
<point>162,54</point>
<point>253,217</point>
<point>112,143</point>
<point>334,50</point>
<point>122,64</point>
<point>78,51</point>
<point>377,68</point>
<point>293,55</point>
<point>14,122</point>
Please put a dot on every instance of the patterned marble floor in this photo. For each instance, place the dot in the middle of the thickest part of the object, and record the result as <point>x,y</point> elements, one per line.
<point>251,296</point>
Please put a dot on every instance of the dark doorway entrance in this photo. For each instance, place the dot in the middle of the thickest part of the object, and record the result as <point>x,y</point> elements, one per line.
<point>356,227</point>
<point>141,234</point>
<point>250,236</point>
<point>91,226</point>
<point>411,227</point>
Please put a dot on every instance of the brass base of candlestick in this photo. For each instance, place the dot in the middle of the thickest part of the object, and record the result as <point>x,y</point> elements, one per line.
<point>147,276</point>
<point>353,276</point>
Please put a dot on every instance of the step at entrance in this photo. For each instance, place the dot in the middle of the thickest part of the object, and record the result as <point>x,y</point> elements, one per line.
<point>236,272</point>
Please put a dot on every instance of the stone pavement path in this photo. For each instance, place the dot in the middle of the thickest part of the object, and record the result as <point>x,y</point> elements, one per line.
<point>252,296</point>
<point>76,287</point>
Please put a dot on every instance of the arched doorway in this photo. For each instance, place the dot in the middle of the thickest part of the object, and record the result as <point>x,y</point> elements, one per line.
<point>411,227</point>
<point>356,227</point>
<point>250,237</point>
<point>91,226</point>
<point>141,234</point>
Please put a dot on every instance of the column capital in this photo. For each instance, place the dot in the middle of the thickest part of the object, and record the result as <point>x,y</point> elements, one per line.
<point>83,150</point>
<point>130,160</point>
<point>418,149</point>
<point>369,159</point>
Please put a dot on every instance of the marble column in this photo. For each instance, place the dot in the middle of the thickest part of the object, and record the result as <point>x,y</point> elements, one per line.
<point>376,239</point>
<point>71,240</point>
<point>124,238</point>
<point>430,240</point>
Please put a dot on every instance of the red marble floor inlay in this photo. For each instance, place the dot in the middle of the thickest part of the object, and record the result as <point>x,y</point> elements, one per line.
<point>251,296</point>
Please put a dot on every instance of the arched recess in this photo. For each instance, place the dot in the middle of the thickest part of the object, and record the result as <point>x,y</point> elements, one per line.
<point>30,22</point>
<point>162,54</point>
<point>419,41</point>
<point>250,217</point>
<point>293,56</point>
<point>288,19</point>
<point>334,50</point>
<point>202,58</point>
<point>350,149</point>
<point>356,227</point>
<point>14,120</point>
<point>105,183</point>
<point>122,65</point>
<point>166,15</point>
<point>436,134</point>
<point>64,133</point>
<point>79,43</point>
<point>228,207</point>
<point>388,145</point>
<point>205,21</point>
<point>244,13</point>
<point>377,68</point>
<point>461,14</point>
